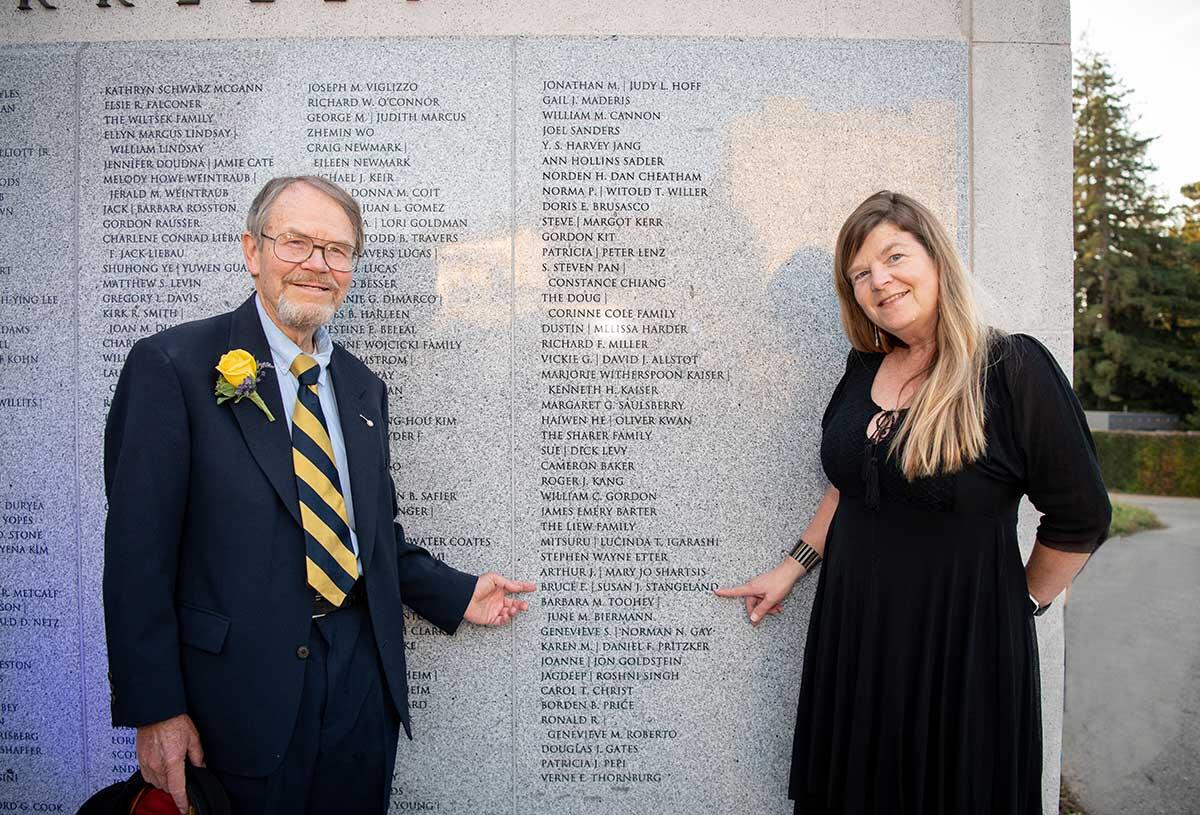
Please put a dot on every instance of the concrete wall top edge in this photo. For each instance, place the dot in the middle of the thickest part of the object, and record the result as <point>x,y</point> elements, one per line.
<point>86,21</point>
<point>1025,21</point>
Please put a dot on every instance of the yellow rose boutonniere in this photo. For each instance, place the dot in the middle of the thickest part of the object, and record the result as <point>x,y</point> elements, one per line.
<point>239,378</point>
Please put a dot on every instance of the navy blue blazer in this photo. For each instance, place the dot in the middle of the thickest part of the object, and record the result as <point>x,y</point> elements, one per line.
<point>205,597</point>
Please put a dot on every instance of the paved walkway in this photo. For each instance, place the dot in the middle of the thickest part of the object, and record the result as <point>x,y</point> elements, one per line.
<point>1131,733</point>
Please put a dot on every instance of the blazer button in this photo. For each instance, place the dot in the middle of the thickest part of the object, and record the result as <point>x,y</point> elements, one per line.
<point>302,652</point>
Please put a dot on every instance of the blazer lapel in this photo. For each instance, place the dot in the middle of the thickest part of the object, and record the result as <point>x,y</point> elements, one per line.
<point>269,442</point>
<point>364,458</point>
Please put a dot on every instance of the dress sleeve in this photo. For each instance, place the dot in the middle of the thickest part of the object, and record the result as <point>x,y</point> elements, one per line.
<point>1062,473</point>
<point>831,408</point>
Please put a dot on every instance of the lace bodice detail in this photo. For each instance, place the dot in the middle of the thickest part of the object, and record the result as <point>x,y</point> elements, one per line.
<point>863,465</point>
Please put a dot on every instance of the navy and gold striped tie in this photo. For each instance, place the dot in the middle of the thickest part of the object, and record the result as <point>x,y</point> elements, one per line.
<point>332,568</point>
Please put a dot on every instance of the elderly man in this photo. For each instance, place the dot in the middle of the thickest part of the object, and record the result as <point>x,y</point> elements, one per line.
<point>254,576</point>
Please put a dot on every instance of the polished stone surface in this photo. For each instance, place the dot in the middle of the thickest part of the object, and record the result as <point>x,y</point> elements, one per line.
<point>40,712</point>
<point>597,284</point>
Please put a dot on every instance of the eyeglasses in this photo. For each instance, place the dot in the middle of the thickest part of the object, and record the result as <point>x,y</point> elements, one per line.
<point>292,247</point>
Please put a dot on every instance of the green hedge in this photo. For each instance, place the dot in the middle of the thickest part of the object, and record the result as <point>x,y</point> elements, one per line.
<point>1150,463</point>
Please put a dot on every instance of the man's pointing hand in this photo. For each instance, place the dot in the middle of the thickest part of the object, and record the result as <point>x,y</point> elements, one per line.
<point>491,605</point>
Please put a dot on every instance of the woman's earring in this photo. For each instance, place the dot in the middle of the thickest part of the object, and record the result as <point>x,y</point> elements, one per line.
<point>877,343</point>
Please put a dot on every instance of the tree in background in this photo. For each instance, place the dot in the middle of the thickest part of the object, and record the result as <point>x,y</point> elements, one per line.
<point>1188,232</point>
<point>1189,214</point>
<point>1137,291</point>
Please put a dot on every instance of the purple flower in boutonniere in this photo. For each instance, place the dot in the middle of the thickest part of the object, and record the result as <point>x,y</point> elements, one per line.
<point>239,379</point>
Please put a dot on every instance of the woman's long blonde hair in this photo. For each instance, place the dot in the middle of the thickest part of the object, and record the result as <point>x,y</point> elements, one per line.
<point>944,428</point>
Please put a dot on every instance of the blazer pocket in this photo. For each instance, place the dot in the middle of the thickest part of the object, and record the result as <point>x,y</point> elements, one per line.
<point>202,629</point>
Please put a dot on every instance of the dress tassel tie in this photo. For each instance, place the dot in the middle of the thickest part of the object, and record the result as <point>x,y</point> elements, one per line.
<point>870,468</point>
<point>870,476</point>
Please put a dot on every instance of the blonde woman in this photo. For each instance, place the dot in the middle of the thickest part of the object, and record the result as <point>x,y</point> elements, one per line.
<point>919,692</point>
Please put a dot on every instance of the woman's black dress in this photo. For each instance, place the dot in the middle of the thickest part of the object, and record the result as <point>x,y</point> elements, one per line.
<point>920,692</point>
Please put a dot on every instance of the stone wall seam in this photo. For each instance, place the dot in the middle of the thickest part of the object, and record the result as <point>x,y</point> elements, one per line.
<point>971,178</point>
<point>512,399</point>
<point>1019,42</point>
<point>76,239</point>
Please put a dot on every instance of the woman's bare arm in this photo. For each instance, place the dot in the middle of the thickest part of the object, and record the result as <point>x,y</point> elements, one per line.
<point>764,593</point>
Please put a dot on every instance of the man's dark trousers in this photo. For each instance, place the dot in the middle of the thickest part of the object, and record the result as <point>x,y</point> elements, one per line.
<point>341,754</point>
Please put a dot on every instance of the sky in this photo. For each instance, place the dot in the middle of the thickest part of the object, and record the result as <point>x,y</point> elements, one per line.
<point>1153,47</point>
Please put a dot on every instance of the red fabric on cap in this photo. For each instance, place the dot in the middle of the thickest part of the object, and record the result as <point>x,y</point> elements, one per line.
<point>153,801</point>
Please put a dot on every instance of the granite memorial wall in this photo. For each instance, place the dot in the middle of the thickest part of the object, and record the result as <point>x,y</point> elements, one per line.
<point>596,283</point>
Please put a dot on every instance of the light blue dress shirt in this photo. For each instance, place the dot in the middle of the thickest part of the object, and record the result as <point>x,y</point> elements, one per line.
<point>283,354</point>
